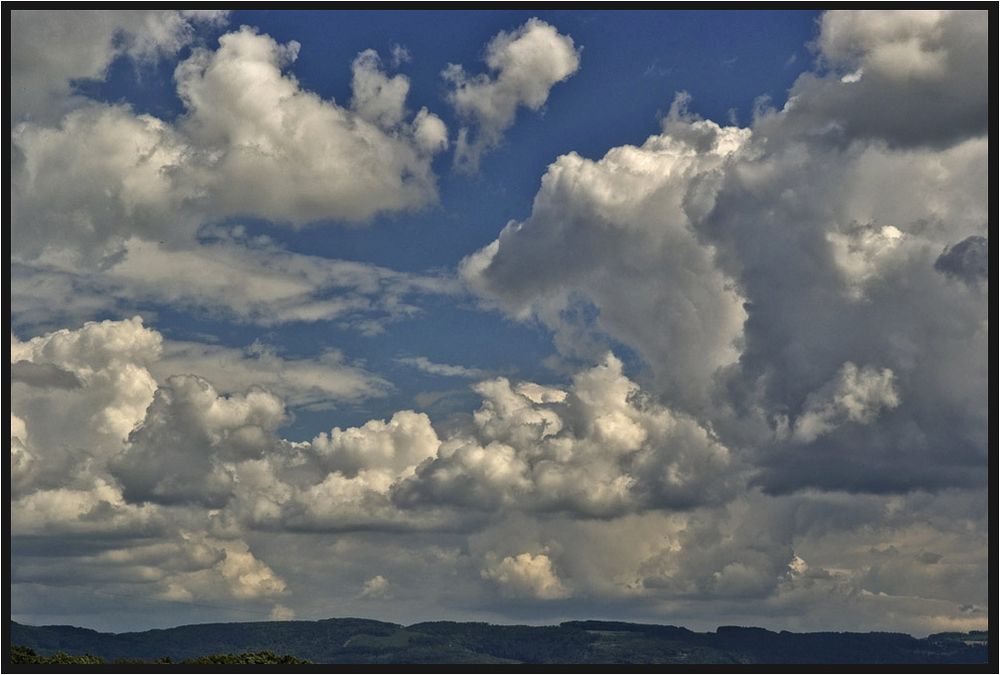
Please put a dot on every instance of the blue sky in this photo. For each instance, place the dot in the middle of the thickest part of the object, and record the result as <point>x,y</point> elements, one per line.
<point>670,316</point>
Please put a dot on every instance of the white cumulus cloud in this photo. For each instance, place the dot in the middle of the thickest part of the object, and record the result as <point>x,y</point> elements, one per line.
<point>251,142</point>
<point>527,575</point>
<point>527,63</point>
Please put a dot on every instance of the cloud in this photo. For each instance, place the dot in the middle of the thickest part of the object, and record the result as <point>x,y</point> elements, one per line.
<point>902,45</point>
<point>394,447</point>
<point>108,359</point>
<point>746,266</point>
<point>528,62</point>
<point>285,154</point>
<point>189,445</point>
<point>429,132</point>
<point>237,574</point>
<point>771,561</point>
<point>376,97</point>
<point>836,265</point>
<point>425,365</point>
<point>281,613</point>
<point>616,235</point>
<point>21,459</point>
<point>249,280</point>
<point>65,441</point>
<point>341,480</point>
<point>51,50</point>
<point>376,588</point>
<point>862,252</point>
<point>910,78</point>
<point>43,375</point>
<point>527,575</point>
<point>799,439</point>
<point>250,142</point>
<point>182,524</point>
<point>599,449</point>
<point>103,174</point>
<point>314,383</point>
<point>399,55</point>
<point>94,510</point>
<point>169,437</point>
<point>857,395</point>
<point>968,260</point>
<point>181,451</point>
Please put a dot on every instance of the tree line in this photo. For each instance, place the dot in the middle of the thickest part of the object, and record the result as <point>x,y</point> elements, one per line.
<point>22,654</point>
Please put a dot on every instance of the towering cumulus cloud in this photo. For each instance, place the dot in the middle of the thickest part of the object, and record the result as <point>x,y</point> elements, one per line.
<point>617,235</point>
<point>751,269</point>
<point>834,229</point>
<point>792,284</point>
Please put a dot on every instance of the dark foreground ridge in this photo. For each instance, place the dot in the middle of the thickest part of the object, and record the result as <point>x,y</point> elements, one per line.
<point>366,641</point>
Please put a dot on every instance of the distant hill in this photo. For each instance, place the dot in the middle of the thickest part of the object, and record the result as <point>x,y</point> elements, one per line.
<point>365,641</point>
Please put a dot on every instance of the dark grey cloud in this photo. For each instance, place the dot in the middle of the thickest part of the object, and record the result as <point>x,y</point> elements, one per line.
<point>905,78</point>
<point>178,455</point>
<point>821,293</point>
<point>930,558</point>
<point>968,260</point>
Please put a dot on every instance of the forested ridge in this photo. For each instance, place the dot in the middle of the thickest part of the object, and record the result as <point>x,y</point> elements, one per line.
<point>367,641</point>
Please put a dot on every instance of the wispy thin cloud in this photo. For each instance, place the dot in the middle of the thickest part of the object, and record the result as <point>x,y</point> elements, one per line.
<point>423,364</point>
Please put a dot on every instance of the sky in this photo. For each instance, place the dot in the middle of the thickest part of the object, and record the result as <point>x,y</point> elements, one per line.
<point>664,316</point>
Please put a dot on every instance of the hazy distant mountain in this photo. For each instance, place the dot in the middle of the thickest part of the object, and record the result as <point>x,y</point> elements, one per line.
<point>365,641</point>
